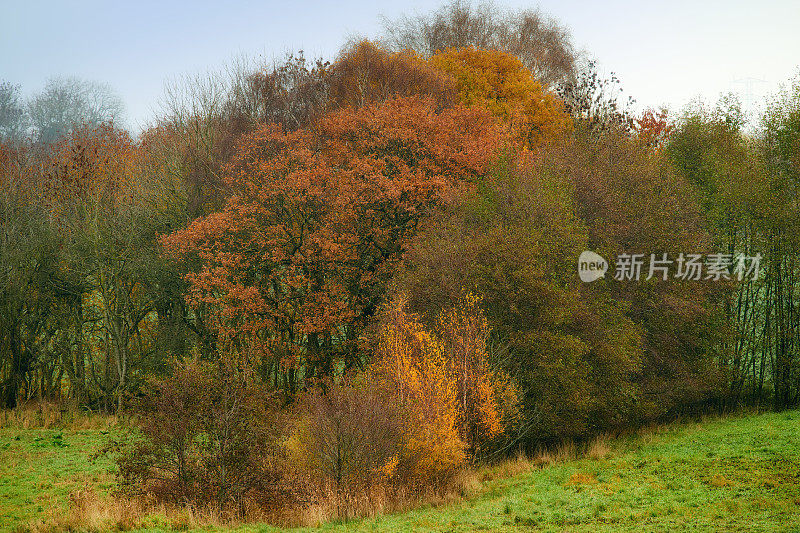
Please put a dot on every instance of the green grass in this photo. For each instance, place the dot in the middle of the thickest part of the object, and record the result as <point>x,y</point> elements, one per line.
<point>729,474</point>
<point>40,468</point>
<point>738,473</point>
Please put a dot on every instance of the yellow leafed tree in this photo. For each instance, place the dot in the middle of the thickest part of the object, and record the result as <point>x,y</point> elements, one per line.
<point>498,81</point>
<point>454,399</point>
<point>487,399</point>
<point>412,365</point>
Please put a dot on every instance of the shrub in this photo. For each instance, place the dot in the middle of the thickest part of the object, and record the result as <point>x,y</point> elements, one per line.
<point>347,440</point>
<point>205,435</point>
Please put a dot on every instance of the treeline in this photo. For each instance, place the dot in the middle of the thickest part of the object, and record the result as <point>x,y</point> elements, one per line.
<point>353,278</point>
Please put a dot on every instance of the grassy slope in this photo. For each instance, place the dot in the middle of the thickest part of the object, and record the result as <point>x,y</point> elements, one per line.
<point>737,473</point>
<point>729,474</point>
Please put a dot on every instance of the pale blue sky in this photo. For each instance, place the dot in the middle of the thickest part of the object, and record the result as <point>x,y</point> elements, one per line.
<point>665,52</point>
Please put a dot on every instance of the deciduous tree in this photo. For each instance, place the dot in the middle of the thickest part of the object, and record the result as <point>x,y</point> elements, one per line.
<point>500,83</point>
<point>297,262</point>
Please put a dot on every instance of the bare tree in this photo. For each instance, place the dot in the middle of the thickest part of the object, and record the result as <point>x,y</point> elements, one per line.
<point>291,92</point>
<point>540,41</point>
<point>66,103</point>
<point>12,113</point>
<point>207,113</point>
<point>596,101</point>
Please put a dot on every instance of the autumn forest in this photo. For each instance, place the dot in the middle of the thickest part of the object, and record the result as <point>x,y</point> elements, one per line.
<point>349,281</point>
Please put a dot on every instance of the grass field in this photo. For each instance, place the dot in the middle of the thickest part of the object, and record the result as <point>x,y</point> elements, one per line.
<point>40,469</point>
<point>740,473</point>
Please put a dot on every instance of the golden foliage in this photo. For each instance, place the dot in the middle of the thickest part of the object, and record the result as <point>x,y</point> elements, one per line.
<point>498,81</point>
<point>487,398</point>
<point>413,365</point>
<point>456,401</point>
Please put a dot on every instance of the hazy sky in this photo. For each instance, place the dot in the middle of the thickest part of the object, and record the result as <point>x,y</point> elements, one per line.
<point>665,53</point>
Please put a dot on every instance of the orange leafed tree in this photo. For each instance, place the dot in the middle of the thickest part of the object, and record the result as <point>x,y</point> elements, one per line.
<point>498,81</point>
<point>297,261</point>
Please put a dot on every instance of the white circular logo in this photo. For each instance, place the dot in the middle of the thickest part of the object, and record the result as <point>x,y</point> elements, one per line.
<point>591,266</point>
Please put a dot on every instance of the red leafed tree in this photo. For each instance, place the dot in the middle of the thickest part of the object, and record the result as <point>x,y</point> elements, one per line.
<point>654,127</point>
<point>291,269</point>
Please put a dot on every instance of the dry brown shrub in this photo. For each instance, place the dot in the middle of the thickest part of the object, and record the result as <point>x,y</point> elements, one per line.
<point>599,448</point>
<point>344,447</point>
<point>205,435</point>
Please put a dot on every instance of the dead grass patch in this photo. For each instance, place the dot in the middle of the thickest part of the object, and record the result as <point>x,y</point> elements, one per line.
<point>599,448</point>
<point>581,478</point>
<point>379,500</point>
<point>49,415</point>
<point>91,512</point>
<point>718,480</point>
<point>564,451</point>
